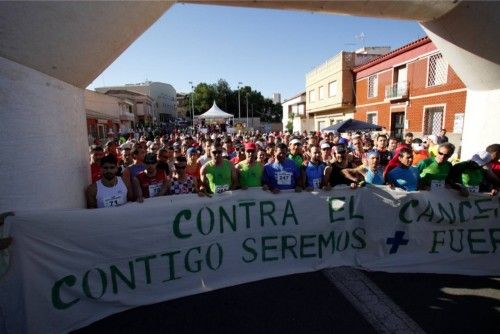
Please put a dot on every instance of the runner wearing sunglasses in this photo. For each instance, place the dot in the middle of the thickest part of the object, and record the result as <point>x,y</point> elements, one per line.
<point>218,175</point>
<point>434,171</point>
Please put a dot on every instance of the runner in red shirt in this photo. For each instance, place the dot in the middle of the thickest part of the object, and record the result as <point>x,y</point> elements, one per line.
<point>96,154</point>
<point>494,150</point>
<point>151,182</point>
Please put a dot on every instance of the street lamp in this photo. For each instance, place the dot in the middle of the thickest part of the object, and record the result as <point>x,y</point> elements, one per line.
<point>239,102</point>
<point>192,102</point>
<point>247,108</point>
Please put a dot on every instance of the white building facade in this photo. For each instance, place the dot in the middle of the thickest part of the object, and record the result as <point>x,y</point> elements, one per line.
<point>295,118</point>
<point>164,98</point>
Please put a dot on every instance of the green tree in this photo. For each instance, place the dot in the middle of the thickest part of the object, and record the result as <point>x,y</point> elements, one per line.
<point>224,95</point>
<point>227,99</point>
<point>204,96</point>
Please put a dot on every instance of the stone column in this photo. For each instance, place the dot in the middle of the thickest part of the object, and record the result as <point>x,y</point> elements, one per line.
<point>43,133</point>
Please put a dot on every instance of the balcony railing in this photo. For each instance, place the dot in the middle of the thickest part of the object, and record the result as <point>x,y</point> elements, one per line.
<point>126,116</point>
<point>398,90</point>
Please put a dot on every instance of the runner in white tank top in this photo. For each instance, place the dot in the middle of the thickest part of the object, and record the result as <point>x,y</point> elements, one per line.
<point>109,191</point>
<point>111,196</point>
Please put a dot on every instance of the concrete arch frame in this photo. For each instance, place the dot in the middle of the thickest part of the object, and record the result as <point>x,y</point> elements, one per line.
<point>50,51</point>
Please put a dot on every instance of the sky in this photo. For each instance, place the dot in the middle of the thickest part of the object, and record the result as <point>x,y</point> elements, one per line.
<point>269,50</point>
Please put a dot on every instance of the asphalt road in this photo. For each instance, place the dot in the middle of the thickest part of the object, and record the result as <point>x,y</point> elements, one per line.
<point>310,303</point>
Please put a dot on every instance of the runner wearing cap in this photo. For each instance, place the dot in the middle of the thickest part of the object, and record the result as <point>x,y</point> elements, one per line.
<point>126,157</point>
<point>150,182</point>
<point>192,165</point>
<point>434,171</point>
<point>283,173</point>
<point>371,172</point>
<point>471,176</point>
<point>271,138</point>
<point>326,152</point>
<point>296,152</point>
<point>405,176</point>
<point>250,170</point>
<point>218,175</point>
<point>314,172</point>
<point>110,190</point>
<point>420,153</point>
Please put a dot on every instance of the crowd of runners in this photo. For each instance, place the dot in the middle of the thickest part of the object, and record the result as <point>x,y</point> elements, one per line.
<point>145,166</point>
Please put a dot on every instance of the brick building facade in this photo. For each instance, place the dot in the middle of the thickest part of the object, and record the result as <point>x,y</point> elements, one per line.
<point>411,89</point>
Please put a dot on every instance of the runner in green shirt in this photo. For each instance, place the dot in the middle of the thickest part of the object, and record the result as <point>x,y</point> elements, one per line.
<point>433,171</point>
<point>468,176</point>
<point>218,175</point>
<point>250,170</point>
<point>296,152</point>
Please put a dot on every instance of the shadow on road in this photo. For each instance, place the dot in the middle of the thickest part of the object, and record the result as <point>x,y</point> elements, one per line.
<point>445,303</point>
<point>305,303</point>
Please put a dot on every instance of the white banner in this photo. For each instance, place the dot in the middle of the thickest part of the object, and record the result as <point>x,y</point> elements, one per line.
<point>71,268</point>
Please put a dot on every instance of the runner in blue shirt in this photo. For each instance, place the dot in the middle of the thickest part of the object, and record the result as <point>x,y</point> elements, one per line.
<point>314,172</point>
<point>371,172</point>
<point>282,174</point>
<point>405,176</point>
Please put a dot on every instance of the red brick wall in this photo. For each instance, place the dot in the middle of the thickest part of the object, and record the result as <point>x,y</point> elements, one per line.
<point>417,77</point>
<point>454,102</point>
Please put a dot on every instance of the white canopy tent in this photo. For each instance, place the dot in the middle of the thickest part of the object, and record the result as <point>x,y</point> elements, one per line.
<point>215,113</point>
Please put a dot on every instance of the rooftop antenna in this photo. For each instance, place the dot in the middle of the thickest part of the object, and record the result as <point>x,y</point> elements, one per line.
<point>362,37</point>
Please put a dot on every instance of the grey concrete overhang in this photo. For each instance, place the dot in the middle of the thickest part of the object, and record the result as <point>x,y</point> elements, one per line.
<point>419,10</point>
<point>73,41</point>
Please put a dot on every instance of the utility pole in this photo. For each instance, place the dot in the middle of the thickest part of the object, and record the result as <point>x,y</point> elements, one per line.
<point>192,102</point>
<point>252,115</point>
<point>239,102</point>
<point>247,108</point>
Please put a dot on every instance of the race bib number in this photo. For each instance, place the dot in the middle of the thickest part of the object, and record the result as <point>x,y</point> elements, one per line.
<point>316,183</point>
<point>473,189</point>
<point>284,178</point>
<point>437,184</point>
<point>154,190</point>
<point>112,201</point>
<point>222,188</point>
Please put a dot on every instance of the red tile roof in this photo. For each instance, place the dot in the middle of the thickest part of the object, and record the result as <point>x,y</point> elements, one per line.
<point>393,53</point>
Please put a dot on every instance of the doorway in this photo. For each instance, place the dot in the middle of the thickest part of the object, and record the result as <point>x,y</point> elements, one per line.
<point>397,124</point>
